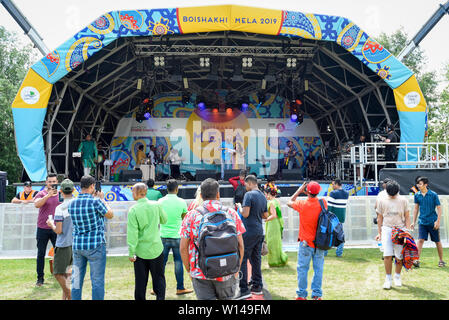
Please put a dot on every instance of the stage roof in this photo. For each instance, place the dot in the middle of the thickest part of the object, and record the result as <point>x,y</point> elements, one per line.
<point>90,82</point>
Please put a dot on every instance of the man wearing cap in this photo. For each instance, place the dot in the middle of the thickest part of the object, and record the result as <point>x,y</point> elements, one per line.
<point>26,196</point>
<point>309,211</point>
<point>62,226</point>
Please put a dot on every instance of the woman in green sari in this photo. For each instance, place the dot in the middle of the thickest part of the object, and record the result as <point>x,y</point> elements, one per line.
<point>274,228</point>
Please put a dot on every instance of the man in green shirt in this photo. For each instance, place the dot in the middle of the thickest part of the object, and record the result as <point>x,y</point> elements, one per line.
<point>153,194</point>
<point>176,209</point>
<point>144,243</point>
<point>89,154</point>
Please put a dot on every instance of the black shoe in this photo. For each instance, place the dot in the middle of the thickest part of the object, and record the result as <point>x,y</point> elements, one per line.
<point>256,290</point>
<point>39,282</point>
<point>244,295</point>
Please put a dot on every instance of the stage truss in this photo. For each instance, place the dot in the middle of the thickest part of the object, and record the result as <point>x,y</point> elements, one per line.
<point>344,97</point>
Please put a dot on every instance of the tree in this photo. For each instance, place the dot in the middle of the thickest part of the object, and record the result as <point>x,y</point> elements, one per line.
<point>415,61</point>
<point>15,60</point>
<point>437,105</point>
<point>439,122</point>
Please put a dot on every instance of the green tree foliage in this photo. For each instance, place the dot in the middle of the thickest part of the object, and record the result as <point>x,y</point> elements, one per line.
<point>415,61</point>
<point>15,59</point>
<point>438,104</point>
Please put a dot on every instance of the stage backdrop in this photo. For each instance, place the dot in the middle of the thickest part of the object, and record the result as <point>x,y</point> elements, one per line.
<point>258,134</point>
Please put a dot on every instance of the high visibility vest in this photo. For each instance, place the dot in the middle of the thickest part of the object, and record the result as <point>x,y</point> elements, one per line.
<point>30,196</point>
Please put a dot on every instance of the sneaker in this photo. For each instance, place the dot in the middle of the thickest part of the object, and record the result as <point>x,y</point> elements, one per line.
<point>256,290</point>
<point>397,281</point>
<point>183,291</point>
<point>416,264</point>
<point>301,298</point>
<point>316,298</point>
<point>387,284</point>
<point>441,264</point>
<point>39,283</point>
<point>244,295</point>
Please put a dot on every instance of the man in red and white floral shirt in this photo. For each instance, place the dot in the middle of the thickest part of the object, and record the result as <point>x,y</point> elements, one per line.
<point>222,288</point>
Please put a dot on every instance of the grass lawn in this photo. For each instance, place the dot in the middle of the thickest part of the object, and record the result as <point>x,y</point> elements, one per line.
<point>358,275</point>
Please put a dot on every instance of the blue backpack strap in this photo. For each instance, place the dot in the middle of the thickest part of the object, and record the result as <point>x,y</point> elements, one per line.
<point>322,204</point>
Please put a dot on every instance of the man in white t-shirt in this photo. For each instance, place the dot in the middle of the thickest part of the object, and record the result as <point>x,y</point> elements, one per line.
<point>392,212</point>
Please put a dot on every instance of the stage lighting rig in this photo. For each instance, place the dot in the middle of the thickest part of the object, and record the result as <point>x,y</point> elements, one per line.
<point>291,63</point>
<point>159,61</point>
<point>247,62</point>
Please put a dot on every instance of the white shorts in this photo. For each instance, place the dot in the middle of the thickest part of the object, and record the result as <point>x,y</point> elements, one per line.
<point>390,249</point>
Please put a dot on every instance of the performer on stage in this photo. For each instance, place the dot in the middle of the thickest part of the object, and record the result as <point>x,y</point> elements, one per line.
<point>89,154</point>
<point>227,150</point>
<point>239,156</point>
<point>290,155</point>
<point>175,163</point>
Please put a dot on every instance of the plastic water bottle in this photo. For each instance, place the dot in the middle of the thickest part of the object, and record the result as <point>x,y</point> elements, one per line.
<point>379,245</point>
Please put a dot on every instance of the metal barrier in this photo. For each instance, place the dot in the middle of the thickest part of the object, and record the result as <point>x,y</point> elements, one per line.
<point>18,226</point>
<point>428,155</point>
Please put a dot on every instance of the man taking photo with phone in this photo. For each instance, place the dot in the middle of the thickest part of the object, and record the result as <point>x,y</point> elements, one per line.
<point>46,201</point>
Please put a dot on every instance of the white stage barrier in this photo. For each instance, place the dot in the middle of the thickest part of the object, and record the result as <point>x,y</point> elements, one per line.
<point>18,226</point>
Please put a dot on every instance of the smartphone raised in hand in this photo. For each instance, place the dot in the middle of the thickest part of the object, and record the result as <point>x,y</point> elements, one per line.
<point>98,186</point>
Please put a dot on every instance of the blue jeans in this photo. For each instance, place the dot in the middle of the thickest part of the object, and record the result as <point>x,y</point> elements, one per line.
<point>305,254</point>
<point>339,251</point>
<point>97,262</point>
<point>173,244</point>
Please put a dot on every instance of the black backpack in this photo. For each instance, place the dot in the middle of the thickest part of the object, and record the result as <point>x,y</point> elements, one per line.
<point>329,231</point>
<point>239,193</point>
<point>217,244</point>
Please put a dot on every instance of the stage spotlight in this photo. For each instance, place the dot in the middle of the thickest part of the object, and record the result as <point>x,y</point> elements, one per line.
<point>186,98</point>
<point>159,61</point>
<point>229,110</point>
<point>247,62</point>
<point>293,117</point>
<point>291,63</point>
<point>244,106</point>
<point>261,97</point>
<point>204,62</point>
<point>215,110</point>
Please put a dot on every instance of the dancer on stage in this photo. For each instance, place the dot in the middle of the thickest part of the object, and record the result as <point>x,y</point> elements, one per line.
<point>89,154</point>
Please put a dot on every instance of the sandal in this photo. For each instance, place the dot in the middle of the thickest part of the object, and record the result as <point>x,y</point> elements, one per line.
<point>441,264</point>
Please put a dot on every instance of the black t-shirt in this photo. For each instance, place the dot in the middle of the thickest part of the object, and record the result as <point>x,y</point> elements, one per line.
<point>310,159</point>
<point>257,204</point>
<point>390,150</point>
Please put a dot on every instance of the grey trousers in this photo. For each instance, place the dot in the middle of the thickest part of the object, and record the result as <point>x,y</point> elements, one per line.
<point>215,290</point>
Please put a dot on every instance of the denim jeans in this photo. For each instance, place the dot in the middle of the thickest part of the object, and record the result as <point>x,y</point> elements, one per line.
<point>97,262</point>
<point>173,244</point>
<point>305,254</point>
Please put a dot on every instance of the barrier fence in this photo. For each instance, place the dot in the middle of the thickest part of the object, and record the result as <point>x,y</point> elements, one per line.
<point>18,226</point>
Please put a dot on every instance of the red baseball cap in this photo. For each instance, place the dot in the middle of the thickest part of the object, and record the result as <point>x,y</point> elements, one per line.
<point>313,187</point>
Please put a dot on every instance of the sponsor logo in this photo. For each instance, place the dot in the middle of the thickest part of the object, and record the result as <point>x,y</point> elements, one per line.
<point>30,95</point>
<point>412,99</point>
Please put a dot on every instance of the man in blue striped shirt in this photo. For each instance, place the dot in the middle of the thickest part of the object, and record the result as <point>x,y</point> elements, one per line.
<point>89,243</point>
<point>426,201</point>
<point>337,201</point>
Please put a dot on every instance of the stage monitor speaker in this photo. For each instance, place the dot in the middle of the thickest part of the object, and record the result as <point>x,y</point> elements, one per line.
<point>130,175</point>
<point>231,173</point>
<point>292,174</point>
<point>204,174</point>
